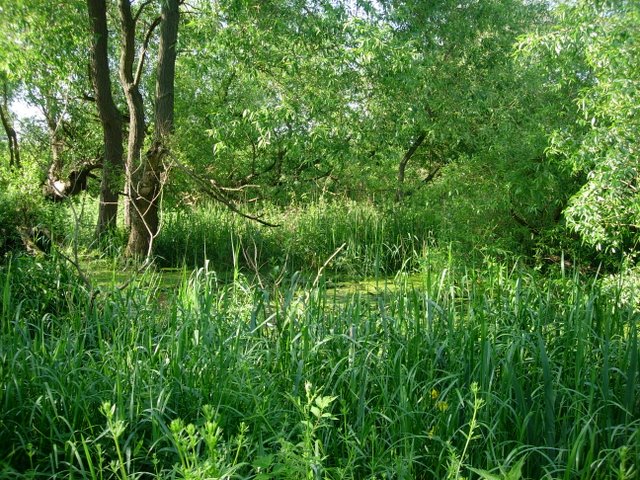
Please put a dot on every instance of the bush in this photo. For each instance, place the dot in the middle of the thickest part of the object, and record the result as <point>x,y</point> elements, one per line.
<point>23,208</point>
<point>39,286</point>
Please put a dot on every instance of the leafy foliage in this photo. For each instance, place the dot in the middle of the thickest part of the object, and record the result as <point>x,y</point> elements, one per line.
<point>22,209</point>
<point>593,48</point>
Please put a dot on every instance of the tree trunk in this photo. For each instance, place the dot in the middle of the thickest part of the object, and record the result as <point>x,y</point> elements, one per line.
<point>7,124</point>
<point>167,54</point>
<point>405,160</point>
<point>57,147</point>
<point>12,137</point>
<point>146,185</point>
<point>134,166</point>
<point>110,118</point>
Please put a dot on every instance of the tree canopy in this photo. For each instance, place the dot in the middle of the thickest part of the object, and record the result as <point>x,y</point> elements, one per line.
<point>512,118</point>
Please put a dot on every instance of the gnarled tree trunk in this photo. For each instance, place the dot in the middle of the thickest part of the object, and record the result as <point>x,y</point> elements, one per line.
<point>110,118</point>
<point>146,179</point>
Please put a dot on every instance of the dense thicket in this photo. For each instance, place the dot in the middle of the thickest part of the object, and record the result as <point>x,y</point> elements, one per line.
<point>512,122</point>
<point>414,225</point>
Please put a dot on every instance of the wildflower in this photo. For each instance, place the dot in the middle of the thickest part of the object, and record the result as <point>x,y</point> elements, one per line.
<point>442,406</point>
<point>434,394</point>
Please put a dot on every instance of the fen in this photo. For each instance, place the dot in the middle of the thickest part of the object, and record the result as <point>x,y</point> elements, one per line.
<point>372,239</point>
<point>431,368</point>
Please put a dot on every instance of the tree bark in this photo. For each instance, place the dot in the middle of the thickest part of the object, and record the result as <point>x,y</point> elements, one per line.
<point>167,54</point>
<point>56,141</point>
<point>12,137</point>
<point>134,166</point>
<point>419,140</point>
<point>146,183</point>
<point>7,124</point>
<point>110,117</point>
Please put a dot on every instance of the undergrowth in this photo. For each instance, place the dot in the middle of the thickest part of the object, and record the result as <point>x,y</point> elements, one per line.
<point>375,241</point>
<point>496,373</point>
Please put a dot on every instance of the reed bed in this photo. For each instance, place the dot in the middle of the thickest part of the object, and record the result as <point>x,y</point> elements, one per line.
<point>378,241</point>
<point>468,373</point>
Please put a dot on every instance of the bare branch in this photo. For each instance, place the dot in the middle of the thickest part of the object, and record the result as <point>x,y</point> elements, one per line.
<point>214,191</point>
<point>139,12</point>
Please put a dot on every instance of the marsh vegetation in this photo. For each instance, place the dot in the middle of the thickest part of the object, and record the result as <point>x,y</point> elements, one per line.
<point>285,239</point>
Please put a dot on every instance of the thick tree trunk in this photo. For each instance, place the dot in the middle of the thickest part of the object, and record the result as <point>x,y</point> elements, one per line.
<point>405,160</point>
<point>146,185</point>
<point>110,117</point>
<point>134,166</point>
<point>167,54</point>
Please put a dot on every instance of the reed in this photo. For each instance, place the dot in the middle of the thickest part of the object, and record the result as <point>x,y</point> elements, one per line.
<point>464,372</point>
<point>378,241</point>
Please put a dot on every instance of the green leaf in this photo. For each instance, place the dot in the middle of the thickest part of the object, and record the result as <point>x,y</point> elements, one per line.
<point>264,461</point>
<point>515,473</point>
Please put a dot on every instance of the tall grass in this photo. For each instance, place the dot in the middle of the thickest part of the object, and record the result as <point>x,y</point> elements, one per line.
<point>377,241</point>
<point>488,369</point>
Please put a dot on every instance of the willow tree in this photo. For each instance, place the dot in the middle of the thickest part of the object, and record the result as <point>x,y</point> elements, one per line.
<point>590,51</point>
<point>265,88</point>
<point>110,117</point>
<point>146,176</point>
<point>144,170</point>
<point>441,79</point>
<point>45,61</point>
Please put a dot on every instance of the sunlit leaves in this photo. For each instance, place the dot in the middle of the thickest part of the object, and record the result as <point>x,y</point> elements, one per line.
<point>595,46</point>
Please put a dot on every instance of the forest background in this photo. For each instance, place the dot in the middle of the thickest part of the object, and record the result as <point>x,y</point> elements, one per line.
<point>451,151</point>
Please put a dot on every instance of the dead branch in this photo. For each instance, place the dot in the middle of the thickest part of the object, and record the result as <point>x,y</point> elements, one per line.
<point>211,188</point>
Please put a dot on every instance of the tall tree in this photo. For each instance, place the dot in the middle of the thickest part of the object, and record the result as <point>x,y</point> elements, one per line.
<point>135,104</point>
<point>145,176</point>
<point>110,117</point>
<point>440,75</point>
<point>10,131</point>
<point>46,61</point>
<point>271,85</point>
<point>592,50</point>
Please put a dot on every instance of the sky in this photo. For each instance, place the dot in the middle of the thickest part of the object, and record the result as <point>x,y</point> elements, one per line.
<point>23,110</point>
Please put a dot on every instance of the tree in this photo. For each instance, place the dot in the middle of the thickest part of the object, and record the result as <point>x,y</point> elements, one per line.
<point>45,64</point>
<point>441,79</point>
<point>7,124</point>
<point>592,50</point>
<point>267,86</point>
<point>144,171</point>
<point>110,117</point>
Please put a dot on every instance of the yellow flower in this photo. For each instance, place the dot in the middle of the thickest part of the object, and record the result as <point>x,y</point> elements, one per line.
<point>442,406</point>
<point>434,394</point>
<point>432,432</point>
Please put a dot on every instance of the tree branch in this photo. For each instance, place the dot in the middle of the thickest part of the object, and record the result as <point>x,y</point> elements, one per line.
<point>211,188</point>
<point>144,47</point>
<point>139,12</point>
